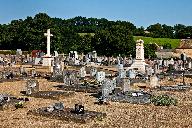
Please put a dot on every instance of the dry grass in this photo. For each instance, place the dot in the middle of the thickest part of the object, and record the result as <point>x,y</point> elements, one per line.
<point>122,115</point>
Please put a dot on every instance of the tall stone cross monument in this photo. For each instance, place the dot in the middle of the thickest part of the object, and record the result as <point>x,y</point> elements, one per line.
<point>48,35</point>
<point>47,59</point>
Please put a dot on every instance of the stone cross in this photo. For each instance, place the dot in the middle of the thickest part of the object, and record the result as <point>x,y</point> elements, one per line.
<point>48,35</point>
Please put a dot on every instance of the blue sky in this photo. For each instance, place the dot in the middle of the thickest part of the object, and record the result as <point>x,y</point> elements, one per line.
<point>139,12</point>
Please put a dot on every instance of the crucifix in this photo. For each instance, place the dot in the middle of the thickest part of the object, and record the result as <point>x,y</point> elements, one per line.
<point>48,35</point>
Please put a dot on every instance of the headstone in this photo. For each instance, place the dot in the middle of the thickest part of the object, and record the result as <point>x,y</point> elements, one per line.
<point>82,72</point>
<point>32,86</point>
<point>114,83</point>
<point>171,61</point>
<point>154,81</point>
<point>183,57</point>
<point>19,52</point>
<point>57,68</point>
<point>130,60</point>
<point>94,56</point>
<point>59,106</point>
<point>70,78</point>
<point>105,90</point>
<point>79,109</point>
<point>125,84</point>
<point>33,73</point>
<point>100,76</point>
<point>37,61</point>
<point>50,108</point>
<point>155,69</point>
<point>4,98</point>
<point>56,53</point>
<point>93,71</point>
<point>189,65</point>
<point>131,74</point>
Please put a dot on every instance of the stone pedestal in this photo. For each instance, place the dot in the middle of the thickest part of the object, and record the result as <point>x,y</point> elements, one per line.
<point>139,65</point>
<point>47,61</point>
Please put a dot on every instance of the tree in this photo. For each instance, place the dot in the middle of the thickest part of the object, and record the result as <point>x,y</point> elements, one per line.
<point>114,41</point>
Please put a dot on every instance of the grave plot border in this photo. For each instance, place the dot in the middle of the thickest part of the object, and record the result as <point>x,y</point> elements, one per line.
<point>68,115</point>
<point>55,95</point>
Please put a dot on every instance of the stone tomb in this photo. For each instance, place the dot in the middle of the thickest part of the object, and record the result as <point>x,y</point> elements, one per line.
<point>32,87</point>
<point>9,102</point>
<point>77,114</point>
<point>134,97</point>
<point>71,83</point>
<point>85,87</point>
<point>8,76</point>
<point>178,88</point>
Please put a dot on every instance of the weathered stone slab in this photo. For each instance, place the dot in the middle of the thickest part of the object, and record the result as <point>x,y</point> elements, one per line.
<point>56,95</point>
<point>68,115</point>
<point>131,97</point>
<point>88,89</point>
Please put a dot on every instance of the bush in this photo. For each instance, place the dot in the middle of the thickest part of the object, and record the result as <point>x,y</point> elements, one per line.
<point>163,100</point>
<point>19,105</point>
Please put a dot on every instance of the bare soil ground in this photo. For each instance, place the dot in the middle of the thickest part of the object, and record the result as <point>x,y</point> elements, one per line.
<point>119,115</point>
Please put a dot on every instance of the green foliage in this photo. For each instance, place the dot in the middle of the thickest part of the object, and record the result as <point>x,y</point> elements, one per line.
<point>114,41</point>
<point>6,52</point>
<point>160,41</point>
<point>86,34</point>
<point>163,100</point>
<point>19,105</point>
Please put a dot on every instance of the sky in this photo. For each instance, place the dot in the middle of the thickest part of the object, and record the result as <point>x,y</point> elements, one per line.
<point>139,12</point>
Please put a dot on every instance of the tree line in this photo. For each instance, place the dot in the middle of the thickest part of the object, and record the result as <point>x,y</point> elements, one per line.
<point>106,37</point>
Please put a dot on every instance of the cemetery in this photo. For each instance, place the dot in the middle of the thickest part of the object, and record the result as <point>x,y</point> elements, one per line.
<point>63,88</point>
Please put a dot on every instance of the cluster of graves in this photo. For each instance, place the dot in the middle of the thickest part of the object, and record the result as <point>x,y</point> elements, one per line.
<point>107,78</point>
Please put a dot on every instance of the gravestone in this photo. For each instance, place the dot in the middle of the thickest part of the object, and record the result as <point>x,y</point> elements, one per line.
<point>105,90</point>
<point>82,72</point>
<point>4,98</point>
<point>130,60</point>
<point>113,83</point>
<point>125,84</point>
<point>57,68</point>
<point>70,78</point>
<point>56,53</point>
<point>94,56</point>
<point>33,73</point>
<point>38,61</point>
<point>32,86</point>
<point>189,65</point>
<point>19,52</point>
<point>79,109</point>
<point>154,81</point>
<point>93,71</point>
<point>131,74</point>
<point>55,107</point>
<point>100,76</point>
